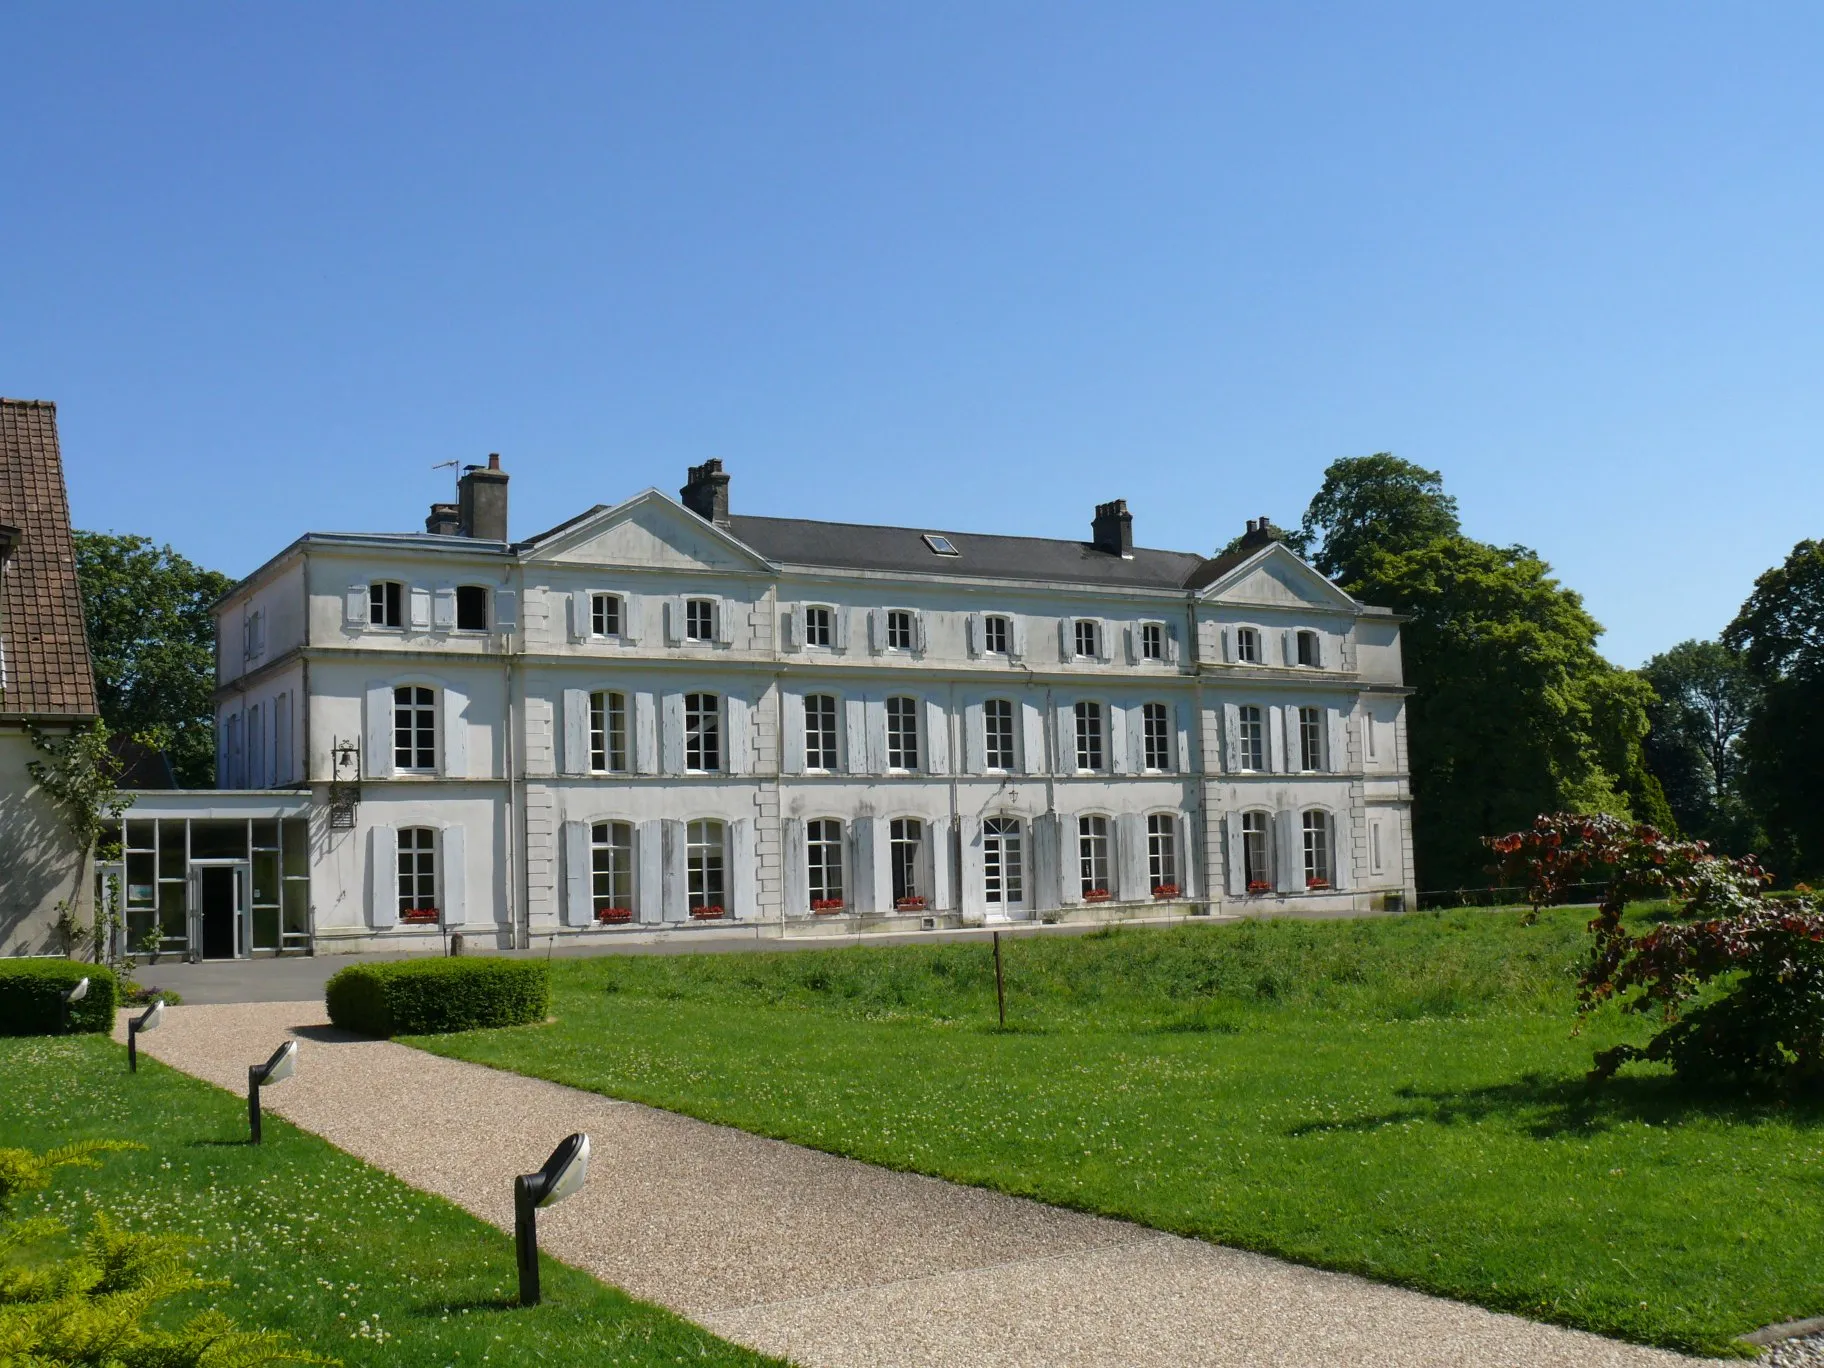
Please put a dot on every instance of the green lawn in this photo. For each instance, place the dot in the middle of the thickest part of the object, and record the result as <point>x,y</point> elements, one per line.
<point>351,1262</point>
<point>1399,1097</point>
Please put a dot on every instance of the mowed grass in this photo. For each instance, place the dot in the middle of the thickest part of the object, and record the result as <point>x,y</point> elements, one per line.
<point>1397,1097</point>
<point>352,1263</point>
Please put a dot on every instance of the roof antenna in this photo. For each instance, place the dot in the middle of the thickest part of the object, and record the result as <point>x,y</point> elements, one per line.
<point>457,467</point>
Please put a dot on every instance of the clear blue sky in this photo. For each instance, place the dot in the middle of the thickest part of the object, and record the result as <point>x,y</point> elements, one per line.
<point>972,266</point>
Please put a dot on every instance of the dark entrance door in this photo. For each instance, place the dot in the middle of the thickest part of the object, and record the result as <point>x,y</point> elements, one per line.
<point>218,911</point>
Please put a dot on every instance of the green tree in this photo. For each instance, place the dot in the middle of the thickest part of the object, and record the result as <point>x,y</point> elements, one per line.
<point>1780,632</point>
<point>1374,504</point>
<point>1705,695</point>
<point>152,640</point>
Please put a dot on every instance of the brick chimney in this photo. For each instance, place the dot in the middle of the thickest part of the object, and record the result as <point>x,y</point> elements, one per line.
<point>1258,534</point>
<point>706,493</point>
<point>1113,529</point>
<point>445,520</point>
<point>481,509</point>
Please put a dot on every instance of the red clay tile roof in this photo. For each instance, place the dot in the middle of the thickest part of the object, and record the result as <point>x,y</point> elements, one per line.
<point>47,654</point>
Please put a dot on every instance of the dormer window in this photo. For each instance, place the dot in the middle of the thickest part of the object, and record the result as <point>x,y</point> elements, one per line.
<point>1247,645</point>
<point>819,627</point>
<point>1310,654</point>
<point>386,604</point>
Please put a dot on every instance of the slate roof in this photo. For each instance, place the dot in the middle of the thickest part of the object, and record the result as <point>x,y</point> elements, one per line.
<point>47,654</point>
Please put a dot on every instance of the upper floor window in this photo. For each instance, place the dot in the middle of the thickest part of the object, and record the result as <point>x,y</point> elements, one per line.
<point>1252,739</point>
<point>414,728</point>
<point>1152,641</point>
<point>1089,736</point>
<point>902,629</point>
<point>705,869</point>
<point>1162,854</point>
<point>417,870</point>
<point>1311,738</point>
<point>608,733</point>
<point>471,608</point>
<point>902,733</point>
<point>819,732</point>
<point>1157,725</point>
<point>605,615</point>
<point>611,869</point>
<point>1093,864</point>
<point>1256,868</point>
<point>823,860</point>
<point>1310,653</point>
<point>905,851</point>
<point>1317,849</point>
<point>1247,645</point>
<point>386,603</point>
<point>699,619</point>
<point>702,733</point>
<point>819,627</point>
<point>1089,639</point>
<point>997,635</point>
<point>253,634</point>
<point>997,734</point>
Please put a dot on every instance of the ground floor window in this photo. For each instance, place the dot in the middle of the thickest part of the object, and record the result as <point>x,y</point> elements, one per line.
<point>905,850</point>
<point>611,868</point>
<point>823,857</point>
<point>417,872</point>
<point>1093,865</point>
<point>1003,872</point>
<point>704,870</point>
<point>1317,849</point>
<point>1256,867</point>
<point>1162,854</point>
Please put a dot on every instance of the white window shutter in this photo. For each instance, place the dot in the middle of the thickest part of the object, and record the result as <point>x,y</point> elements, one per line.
<point>421,608</point>
<point>738,714</point>
<point>937,863</point>
<point>1342,852</point>
<point>671,733</point>
<point>383,878</point>
<point>877,630</point>
<point>1187,865</point>
<point>788,628</point>
<point>1317,650</point>
<point>633,619</point>
<point>797,871</point>
<point>582,623</point>
<point>354,607</point>
<point>649,872</point>
<point>742,901</point>
<point>443,610</point>
<point>1131,633</point>
<point>1105,635</point>
<point>1131,868</point>
<point>975,738</point>
<point>1228,645</point>
<point>576,732</point>
<point>1174,652</point>
<point>506,610</point>
<point>1337,750</point>
<point>860,855</point>
<point>579,882</point>
<point>452,871</point>
<point>1274,719</point>
<point>1069,857</point>
<point>725,621</point>
<point>841,628</point>
<point>855,725</point>
<point>1067,639</point>
<point>645,733</point>
<point>1017,631</point>
<point>1231,737</point>
<point>1233,857</point>
<point>377,747</point>
<point>675,892</point>
<point>1291,843</point>
<point>1067,739</point>
<point>1119,761</point>
<point>919,639</point>
<point>453,726</point>
<point>1032,738</point>
<point>1181,721</point>
<point>1288,644</point>
<point>936,738</point>
<point>877,735</point>
<point>792,743</point>
<point>976,630</point>
<point>674,621</point>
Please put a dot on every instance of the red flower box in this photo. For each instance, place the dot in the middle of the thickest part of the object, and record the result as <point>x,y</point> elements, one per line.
<point>1098,895</point>
<point>614,916</point>
<point>1258,886</point>
<point>419,916</point>
<point>712,912</point>
<point>1317,883</point>
<point>825,906</point>
<point>1166,890</point>
<point>913,904</point>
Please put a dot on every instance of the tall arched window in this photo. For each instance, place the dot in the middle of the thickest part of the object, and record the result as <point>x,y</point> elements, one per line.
<point>417,874</point>
<point>905,851</point>
<point>823,860</point>
<point>1095,869</point>
<point>705,869</point>
<point>611,869</point>
<point>1317,849</point>
<point>1162,854</point>
<point>1256,852</point>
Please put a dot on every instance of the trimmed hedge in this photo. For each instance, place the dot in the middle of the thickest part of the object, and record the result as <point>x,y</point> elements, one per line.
<point>31,997</point>
<point>432,996</point>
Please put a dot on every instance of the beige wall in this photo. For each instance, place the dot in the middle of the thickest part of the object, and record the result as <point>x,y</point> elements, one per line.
<point>38,861</point>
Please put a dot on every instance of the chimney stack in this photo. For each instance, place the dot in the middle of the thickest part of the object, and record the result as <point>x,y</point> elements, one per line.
<point>706,493</point>
<point>481,510</point>
<point>1258,533</point>
<point>445,520</point>
<point>1113,529</point>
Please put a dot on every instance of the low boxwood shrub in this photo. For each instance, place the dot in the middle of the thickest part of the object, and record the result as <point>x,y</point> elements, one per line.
<point>31,996</point>
<point>431,996</point>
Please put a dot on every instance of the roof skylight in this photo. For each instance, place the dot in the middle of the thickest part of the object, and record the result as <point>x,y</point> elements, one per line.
<point>941,544</point>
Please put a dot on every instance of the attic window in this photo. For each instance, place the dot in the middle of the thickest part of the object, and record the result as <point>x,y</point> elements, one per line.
<point>942,545</point>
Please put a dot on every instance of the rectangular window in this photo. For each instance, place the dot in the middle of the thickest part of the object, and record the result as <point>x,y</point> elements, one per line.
<point>1089,736</point>
<point>605,615</point>
<point>1311,738</point>
<point>611,870</point>
<point>905,851</point>
<point>1162,854</point>
<point>1247,645</point>
<point>901,630</point>
<point>823,856</point>
<point>699,620</point>
<point>1157,726</point>
<point>1152,641</point>
<point>1093,868</point>
<point>1317,849</point>
<point>608,733</point>
<point>1252,741</point>
<point>997,734</point>
<point>702,733</point>
<point>1256,869</point>
<point>1309,653</point>
<point>703,869</point>
<point>820,732</point>
<point>414,728</point>
<point>386,604</point>
<point>471,608</point>
<point>1089,634</point>
<point>819,627</point>
<point>997,635</point>
<point>902,733</point>
<point>1003,866</point>
<point>417,871</point>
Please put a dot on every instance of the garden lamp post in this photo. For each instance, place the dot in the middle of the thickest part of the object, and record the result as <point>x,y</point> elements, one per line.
<point>282,1065</point>
<point>149,1020</point>
<point>71,996</point>
<point>561,1177</point>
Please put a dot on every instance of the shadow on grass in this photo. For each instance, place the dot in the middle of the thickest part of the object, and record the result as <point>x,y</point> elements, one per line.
<point>437,1310</point>
<point>1550,1108</point>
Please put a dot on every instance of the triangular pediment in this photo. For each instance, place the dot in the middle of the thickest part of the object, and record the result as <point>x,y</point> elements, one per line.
<point>647,531</point>
<point>1275,577</point>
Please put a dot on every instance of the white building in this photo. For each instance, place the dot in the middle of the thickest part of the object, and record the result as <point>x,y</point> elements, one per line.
<point>661,714</point>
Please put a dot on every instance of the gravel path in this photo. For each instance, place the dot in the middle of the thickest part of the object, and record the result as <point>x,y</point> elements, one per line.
<point>835,1263</point>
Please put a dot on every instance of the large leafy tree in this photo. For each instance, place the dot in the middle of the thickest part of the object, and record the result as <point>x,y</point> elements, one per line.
<point>1374,504</point>
<point>1780,633</point>
<point>153,644</point>
<point>1705,695</point>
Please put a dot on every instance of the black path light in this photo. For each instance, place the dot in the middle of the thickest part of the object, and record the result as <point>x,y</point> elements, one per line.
<point>282,1065</point>
<point>561,1177</point>
<point>149,1020</point>
<point>71,996</point>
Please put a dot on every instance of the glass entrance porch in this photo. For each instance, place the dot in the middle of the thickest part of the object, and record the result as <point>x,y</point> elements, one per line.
<point>213,887</point>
